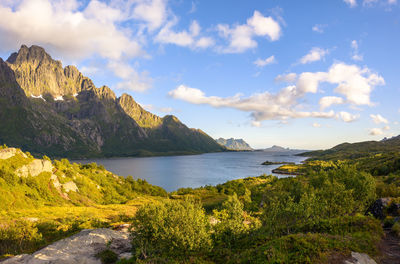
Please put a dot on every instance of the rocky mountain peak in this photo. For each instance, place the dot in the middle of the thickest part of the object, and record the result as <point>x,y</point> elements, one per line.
<point>135,111</point>
<point>105,92</point>
<point>33,54</point>
<point>234,144</point>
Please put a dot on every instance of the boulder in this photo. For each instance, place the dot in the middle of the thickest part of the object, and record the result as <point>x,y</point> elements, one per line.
<point>383,207</point>
<point>359,258</point>
<point>35,167</point>
<point>70,186</point>
<point>79,248</point>
<point>10,152</point>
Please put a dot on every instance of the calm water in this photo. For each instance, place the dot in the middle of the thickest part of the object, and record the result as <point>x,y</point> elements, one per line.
<point>175,172</point>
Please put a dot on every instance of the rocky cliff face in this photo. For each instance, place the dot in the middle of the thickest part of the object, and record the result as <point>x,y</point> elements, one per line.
<point>48,109</point>
<point>234,144</point>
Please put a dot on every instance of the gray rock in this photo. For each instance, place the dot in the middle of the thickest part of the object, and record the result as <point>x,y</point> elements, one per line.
<point>34,168</point>
<point>78,249</point>
<point>10,152</point>
<point>360,258</point>
<point>126,255</point>
<point>70,186</point>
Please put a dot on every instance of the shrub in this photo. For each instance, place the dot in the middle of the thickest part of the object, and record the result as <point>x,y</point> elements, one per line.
<point>107,256</point>
<point>173,228</point>
<point>229,222</point>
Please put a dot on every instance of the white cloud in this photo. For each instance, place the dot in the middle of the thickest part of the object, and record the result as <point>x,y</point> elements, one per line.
<point>370,3</point>
<point>265,62</point>
<point>316,125</point>
<point>185,38</point>
<point>386,128</point>
<point>263,106</point>
<point>327,101</point>
<point>379,119</point>
<point>131,79</point>
<point>256,124</point>
<point>89,70</point>
<point>351,3</point>
<point>264,26</point>
<point>354,83</point>
<point>153,12</point>
<point>347,117</point>
<point>315,54</point>
<point>62,28</point>
<point>150,107</point>
<point>375,131</point>
<point>241,37</point>
<point>356,56</point>
<point>319,28</point>
<point>288,78</point>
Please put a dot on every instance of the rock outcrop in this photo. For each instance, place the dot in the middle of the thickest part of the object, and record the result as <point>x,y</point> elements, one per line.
<point>359,258</point>
<point>81,248</point>
<point>35,167</point>
<point>7,153</point>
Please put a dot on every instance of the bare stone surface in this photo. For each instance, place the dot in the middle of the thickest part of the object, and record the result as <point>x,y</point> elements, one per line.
<point>360,258</point>
<point>10,152</point>
<point>36,167</point>
<point>78,249</point>
<point>70,186</point>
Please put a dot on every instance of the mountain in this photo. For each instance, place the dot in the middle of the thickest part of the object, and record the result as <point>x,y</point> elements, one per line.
<point>234,144</point>
<point>48,109</point>
<point>281,150</point>
<point>357,150</point>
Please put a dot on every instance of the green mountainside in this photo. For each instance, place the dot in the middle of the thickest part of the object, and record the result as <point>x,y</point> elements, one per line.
<point>356,150</point>
<point>48,109</point>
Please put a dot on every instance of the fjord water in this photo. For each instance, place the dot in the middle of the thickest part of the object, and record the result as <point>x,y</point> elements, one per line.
<point>174,172</point>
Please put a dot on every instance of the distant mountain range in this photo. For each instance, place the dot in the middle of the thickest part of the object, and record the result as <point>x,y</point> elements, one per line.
<point>282,150</point>
<point>48,109</point>
<point>234,144</point>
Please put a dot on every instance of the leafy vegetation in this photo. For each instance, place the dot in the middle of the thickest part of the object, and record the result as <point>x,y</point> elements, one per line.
<point>38,210</point>
<point>309,218</point>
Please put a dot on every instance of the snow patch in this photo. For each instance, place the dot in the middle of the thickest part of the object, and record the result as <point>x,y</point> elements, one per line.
<point>75,95</point>
<point>59,98</point>
<point>38,97</point>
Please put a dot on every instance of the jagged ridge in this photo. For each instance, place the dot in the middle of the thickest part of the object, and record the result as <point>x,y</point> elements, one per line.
<point>48,109</point>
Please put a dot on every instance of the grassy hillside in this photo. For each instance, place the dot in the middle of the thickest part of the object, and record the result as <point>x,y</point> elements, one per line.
<point>356,150</point>
<point>62,198</point>
<point>317,217</point>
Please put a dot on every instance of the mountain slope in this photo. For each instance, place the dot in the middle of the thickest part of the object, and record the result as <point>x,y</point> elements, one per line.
<point>356,150</point>
<point>48,109</point>
<point>234,144</point>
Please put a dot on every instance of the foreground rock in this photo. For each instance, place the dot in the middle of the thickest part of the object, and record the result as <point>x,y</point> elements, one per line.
<point>81,248</point>
<point>360,258</point>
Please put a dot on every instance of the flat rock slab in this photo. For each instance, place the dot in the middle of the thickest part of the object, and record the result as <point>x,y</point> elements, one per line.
<point>80,248</point>
<point>360,258</point>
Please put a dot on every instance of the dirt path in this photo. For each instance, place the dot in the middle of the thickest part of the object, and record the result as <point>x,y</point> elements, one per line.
<point>390,248</point>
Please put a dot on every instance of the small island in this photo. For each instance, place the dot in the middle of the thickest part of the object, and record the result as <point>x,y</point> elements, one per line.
<point>276,162</point>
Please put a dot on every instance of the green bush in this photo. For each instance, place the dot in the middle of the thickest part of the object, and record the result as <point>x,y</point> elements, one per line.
<point>107,256</point>
<point>171,228</point>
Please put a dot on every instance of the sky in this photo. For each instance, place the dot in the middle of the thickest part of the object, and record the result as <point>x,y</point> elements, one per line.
<point>301,74</point>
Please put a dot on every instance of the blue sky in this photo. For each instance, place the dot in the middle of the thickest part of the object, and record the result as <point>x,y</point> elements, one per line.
<point>301,74</point>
